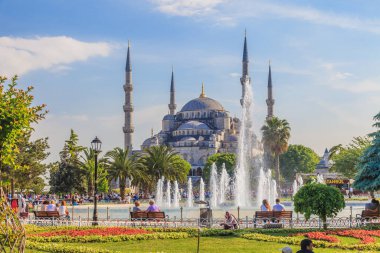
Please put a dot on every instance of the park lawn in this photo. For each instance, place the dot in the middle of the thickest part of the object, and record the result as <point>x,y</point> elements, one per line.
<point>207,245</point>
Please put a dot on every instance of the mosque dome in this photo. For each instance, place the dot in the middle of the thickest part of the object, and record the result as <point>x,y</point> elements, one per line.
<point>202,103</point>
<point>169,117</point>
<point>193,125</point>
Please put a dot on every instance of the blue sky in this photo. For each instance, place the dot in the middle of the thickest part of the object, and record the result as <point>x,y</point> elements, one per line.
<point>325,57</point>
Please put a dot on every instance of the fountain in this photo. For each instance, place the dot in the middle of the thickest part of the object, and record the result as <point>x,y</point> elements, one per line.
<point>168,198</point>
<point>268,186</point>
<point>176,196</point>
<point>159,191</point>
<point>297,184</point>
<point>223,185</point>
<point>189,193</point>
<point>214,186</point>
<point>201,190</point>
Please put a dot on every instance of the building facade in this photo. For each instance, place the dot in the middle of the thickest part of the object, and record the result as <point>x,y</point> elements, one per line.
<point>201,128</point>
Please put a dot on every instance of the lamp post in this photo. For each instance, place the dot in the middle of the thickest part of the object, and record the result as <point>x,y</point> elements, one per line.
<point>96,144</point>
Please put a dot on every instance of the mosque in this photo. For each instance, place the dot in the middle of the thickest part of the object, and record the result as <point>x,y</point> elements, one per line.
<point>201,128</point>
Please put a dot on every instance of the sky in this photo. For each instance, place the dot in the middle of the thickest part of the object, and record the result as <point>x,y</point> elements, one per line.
<point>324,55</point>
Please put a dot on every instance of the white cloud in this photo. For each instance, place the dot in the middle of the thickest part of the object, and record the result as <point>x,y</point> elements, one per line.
<point>22,55</point>
<point>187,7</point>
<point>229,13</point>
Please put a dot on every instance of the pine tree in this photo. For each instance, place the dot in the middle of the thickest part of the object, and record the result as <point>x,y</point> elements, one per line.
<point>368,176</point>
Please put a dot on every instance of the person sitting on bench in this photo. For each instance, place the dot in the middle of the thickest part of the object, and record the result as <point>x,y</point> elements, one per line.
<point>152,207</point>
<point>230,221</point>
<point>278,206</point>
<point>373,205</point>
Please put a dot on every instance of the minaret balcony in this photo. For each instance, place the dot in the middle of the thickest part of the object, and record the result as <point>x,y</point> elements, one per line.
<point>128,108</point>
<point>128,87</point>
<point>128,129</point>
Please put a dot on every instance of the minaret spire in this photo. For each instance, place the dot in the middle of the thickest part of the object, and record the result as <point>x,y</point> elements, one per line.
<point>270,100</point>
<point>172,105</point>
<point>245,77</point>
<point>128,128</point>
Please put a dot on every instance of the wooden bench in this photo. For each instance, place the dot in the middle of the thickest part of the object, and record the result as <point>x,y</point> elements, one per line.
<point>273,216</point>
<point>367,216</point>
<point>147,216</point>
<point>46,214</point>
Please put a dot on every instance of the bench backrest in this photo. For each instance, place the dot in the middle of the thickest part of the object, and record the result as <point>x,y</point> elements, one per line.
<point>156,215</point>
<point>370,213</point>
<point>40,213</point>
<point>139,215</point>
<point>274,214</point>
<point>52,213</point>
<point>264,214</point>
<point>46,214</point>
<point>283,214</point>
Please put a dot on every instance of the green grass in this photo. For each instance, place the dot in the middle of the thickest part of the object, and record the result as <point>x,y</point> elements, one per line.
<point>207,245</point>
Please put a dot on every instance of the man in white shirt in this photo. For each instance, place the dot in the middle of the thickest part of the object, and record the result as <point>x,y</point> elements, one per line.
<point>278,206</point>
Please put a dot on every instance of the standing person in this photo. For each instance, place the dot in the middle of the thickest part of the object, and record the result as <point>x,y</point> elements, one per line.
<point>230,221</point>
<point>152,207</point>
<point>265,206</point>
<point>306,246</point>
<point>278,206</point>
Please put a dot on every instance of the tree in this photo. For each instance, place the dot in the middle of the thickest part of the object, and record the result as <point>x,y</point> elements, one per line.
<point>67,175</point>
<point>276,134</point>
<point>229,160</point>
<point>16,117</point>
<point>319,199</point>
<point>164,161</point>
<point>123,166</point>
<point>297,159</point>
<point>368,176</point>
<point>87,164</point>
<point>346,158</point>
<point>30,166</point>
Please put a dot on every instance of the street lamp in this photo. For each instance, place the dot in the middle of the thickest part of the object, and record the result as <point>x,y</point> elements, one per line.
<point>96,144</point>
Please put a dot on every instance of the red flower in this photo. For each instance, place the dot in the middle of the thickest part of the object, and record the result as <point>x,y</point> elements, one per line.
<point>321,236</point>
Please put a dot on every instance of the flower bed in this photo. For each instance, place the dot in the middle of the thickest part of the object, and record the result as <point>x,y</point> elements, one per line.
<point>101,231</point>
<point>320,236</point>
<point>112,238</point>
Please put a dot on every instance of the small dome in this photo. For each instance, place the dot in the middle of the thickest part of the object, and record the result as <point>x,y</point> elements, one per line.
<point>169,117</point>
<point>193,125</point>
<point>202,103</point>
<point>188,139</point>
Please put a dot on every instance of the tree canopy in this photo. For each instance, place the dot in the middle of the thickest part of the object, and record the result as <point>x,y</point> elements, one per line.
<point>17,114</point>
<point>319,199</point>
<point>228,159</point>
<point>67,176</point>
<point>346,158</point>
<point>297,159</point>
<point>368,176</point>
<point>276,134</point>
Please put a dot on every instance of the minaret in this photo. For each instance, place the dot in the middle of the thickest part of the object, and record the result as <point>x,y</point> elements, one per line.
<point>128,128</point>
<point>172,105</point>
<point>245,77</point>
<point>270,100</point>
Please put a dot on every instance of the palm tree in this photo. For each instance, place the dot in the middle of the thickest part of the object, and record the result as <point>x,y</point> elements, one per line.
<point>164,161</point>
<point>122,165</point>
<point>87,165</point>
<point>276,134</point>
